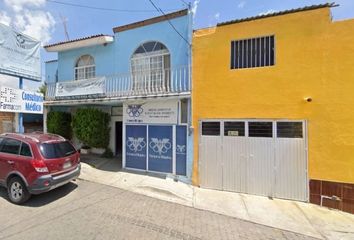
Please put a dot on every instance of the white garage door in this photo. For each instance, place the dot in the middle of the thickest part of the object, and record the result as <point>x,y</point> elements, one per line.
<point>262,157</point>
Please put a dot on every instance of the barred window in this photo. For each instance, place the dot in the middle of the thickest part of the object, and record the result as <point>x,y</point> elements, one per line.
<point>151,63</point>
<point>254,52</point>
<point>85,68</point>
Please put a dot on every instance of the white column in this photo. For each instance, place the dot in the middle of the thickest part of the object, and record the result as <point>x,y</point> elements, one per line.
<point>45,112</point>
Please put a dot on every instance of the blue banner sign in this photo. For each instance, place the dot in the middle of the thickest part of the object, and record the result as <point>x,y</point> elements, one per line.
<point>135,147</point>
<point>181,150</point>
<point>160,148</point>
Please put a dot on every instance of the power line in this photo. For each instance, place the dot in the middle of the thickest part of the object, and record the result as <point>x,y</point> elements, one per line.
<point>174,28</point>
<point>184,2</point>
<point>103,9</point>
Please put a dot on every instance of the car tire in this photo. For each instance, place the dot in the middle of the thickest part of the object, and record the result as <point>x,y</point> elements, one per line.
<point>17,191</point>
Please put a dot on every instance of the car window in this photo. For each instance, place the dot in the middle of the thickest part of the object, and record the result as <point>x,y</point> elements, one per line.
<point>1,141</point>
<point>56,150</point>
<point>10,146</point>
<point>25,150</point>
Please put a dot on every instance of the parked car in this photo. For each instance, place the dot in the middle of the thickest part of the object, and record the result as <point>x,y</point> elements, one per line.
<point>34,163</point>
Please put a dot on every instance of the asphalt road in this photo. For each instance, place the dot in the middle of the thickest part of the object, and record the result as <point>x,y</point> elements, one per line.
<point>86,210</point>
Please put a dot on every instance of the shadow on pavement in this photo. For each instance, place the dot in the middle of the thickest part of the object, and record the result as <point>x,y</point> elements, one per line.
<point>44,198</point>
<point>104,164</point>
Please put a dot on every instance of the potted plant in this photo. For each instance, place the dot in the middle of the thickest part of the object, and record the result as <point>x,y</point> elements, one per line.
<point>85,149</point>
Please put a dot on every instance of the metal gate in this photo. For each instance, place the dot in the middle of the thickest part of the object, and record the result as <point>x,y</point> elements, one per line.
<point>262,157</point>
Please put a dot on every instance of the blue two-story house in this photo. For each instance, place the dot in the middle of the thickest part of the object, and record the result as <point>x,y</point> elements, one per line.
<point>141,76</point>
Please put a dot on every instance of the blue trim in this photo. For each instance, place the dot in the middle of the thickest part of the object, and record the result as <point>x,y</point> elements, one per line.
<point>20,115</point>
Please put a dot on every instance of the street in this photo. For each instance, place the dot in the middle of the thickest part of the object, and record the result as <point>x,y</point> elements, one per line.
<point>86,210</point>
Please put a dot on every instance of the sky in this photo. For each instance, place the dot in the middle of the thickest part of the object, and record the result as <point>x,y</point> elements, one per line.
<point>45,19</point>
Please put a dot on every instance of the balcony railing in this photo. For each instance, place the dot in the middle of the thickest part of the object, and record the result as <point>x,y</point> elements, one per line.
<point>137,84</point>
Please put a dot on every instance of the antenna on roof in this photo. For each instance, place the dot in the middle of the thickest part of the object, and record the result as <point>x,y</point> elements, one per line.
<point>64,20</point>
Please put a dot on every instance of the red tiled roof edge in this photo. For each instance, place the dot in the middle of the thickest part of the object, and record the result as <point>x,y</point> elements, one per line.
<point>151,21</point>
<point>306,8</point>
<point>77,40</point>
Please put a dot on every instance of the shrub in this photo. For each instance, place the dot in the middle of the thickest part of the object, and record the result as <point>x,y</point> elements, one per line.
<point>107,153</point>
<point>91,126</point>
<point>59,123</point>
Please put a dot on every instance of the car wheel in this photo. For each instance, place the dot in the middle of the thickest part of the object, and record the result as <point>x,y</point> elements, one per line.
<point>17,191</point>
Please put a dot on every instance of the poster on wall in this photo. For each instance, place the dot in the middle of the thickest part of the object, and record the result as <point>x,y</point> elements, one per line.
<point>160,149</point>
<point>159,112</point>
<point>19,54</point>
<point>181,150</point>
<point>21,101</point>
<point>135,147</point>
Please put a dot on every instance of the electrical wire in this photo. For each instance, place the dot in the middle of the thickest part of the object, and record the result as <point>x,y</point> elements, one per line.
<point>185,3</point>
<point>103,9</point>
<point>174,28</point>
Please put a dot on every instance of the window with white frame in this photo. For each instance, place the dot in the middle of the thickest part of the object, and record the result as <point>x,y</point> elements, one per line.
<point>150,67</point>
<point>85,68</point>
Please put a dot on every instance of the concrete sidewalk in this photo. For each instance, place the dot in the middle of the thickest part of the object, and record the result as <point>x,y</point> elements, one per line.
<point>304,218</point>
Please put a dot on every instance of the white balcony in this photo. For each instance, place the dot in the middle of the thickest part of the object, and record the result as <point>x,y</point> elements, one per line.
<point>138,84</point>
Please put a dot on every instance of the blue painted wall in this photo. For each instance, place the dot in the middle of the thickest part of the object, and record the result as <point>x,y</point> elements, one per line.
<point>114,58</point>
<point>50,71</point>
<point>103,56</point>
<point>128,41</point>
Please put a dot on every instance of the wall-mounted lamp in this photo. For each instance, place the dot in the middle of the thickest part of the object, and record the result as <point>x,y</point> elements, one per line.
<point>308,99</point>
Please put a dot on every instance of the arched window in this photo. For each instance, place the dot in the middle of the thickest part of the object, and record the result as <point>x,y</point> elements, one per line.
<point>85,68</point>
<point>150,66</point>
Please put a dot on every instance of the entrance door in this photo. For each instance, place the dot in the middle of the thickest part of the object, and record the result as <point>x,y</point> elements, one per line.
<point>119,138</point>
<point>261,157</point>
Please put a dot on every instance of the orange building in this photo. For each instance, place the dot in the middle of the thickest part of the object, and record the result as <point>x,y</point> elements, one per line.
<point>273,107</point>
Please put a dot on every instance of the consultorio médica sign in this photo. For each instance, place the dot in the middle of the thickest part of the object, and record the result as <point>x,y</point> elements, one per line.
<point>17,100</point>
<point>19,54</point>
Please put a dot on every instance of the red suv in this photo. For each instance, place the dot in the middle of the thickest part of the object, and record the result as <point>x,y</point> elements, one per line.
<point>35,163</point>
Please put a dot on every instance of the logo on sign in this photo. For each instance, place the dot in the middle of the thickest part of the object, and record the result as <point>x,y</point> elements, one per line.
<point>134,110</point>
<point>181,149</point>
<point>136,144</point>
<point>160,146</point>
<point>21,41</point>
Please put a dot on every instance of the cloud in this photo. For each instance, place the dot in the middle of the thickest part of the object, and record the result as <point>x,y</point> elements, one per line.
<point>38,24</point>
<point>28,17</point>
<point>217,16</point>
<point>241,4</point>
<point>19,5</point>
<point>267,12</point>
<point>4,18</point>
<point>8,81</point>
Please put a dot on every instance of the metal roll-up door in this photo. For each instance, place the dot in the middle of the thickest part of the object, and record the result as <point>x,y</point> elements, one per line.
<point>262,157</point>
<point>291,161</point>
<point>210,155</point>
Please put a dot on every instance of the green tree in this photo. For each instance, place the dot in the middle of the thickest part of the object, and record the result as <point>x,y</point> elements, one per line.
<point>43,89</point>
<point>91,126</point>
<point>59,123</point>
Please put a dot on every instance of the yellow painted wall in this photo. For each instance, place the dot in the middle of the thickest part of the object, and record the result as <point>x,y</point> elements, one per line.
<point>314,58</point>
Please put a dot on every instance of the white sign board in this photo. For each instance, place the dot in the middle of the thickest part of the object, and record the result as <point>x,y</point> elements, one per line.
<point>159,112</point>
<point>19,54</point>
<point>17,100</point>
<point>80,87</point>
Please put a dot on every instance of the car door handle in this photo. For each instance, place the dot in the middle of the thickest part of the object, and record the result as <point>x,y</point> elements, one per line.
<point>10,162</point>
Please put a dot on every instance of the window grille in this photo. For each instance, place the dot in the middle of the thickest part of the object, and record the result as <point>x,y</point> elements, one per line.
<point>254,52</point>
